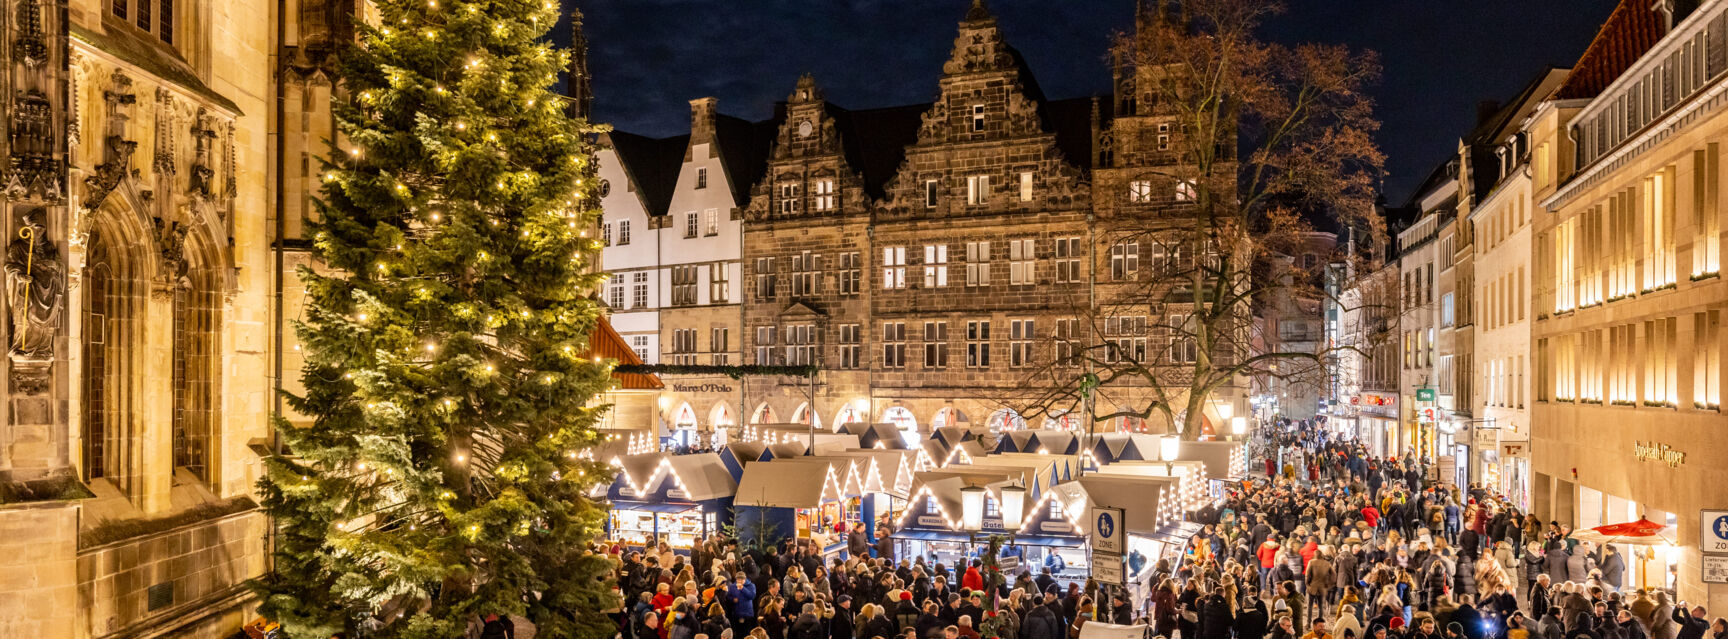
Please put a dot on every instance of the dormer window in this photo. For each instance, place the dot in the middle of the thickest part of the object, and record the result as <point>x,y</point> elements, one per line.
<point>977,118</point>
<point>152,16</point>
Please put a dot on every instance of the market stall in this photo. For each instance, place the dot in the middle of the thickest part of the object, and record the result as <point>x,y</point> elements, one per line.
<point>881,435</point>
<point>1225,462</point>
<point>737,455</point>
<point>1053,442</point>
<point>1015,441</point>
<point>659,497</point>
<point>804,498</point>
<point>1152,518</point>
<point>885,479</point>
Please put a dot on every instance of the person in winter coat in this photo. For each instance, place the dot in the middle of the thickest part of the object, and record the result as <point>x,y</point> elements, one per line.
<point>1216,618</point>
<point>906,613</point>
<point>1572,604</point>
<point>1689,624</point>
<point>1540,594</point>
<point>1346,622</point>
<point>1267,553</point>
<point>930,624</point>
<point>1550,626</point>
<point>1040,623</point>
<point>1613,567</point>
<point>1557,557</point>
<point>1664,626</point>
<point>1581,628</point>
<point>1320,578</point>
<point>1252,619</point>
<point>1578,566</point>
<point>973,579</point>
<point>1284,628</point>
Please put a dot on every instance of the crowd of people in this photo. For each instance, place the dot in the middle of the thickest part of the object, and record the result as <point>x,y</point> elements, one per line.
<point>1332,544</point>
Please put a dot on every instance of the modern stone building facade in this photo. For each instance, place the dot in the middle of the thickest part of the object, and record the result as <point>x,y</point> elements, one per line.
<point>1627,289</point>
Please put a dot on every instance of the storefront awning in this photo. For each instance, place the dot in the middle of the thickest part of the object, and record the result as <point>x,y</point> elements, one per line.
<point>1178,533</point>
<point>1048,540</point>
<point>960,537</point>
<point>673,507</point>
<point>929,535</point>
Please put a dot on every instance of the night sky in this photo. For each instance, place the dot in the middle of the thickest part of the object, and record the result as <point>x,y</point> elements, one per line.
<point>650,57</point>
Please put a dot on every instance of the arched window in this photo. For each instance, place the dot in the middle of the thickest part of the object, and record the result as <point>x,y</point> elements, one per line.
<point>802,415</point>
<point>188,277</point>
<point>196,323</point>
<point>98,309</point>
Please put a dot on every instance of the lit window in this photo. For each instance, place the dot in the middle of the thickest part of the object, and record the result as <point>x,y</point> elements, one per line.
<point>977,189</point>
<point>1140,191</point>
<point>1185,191</point>
<point>1026,186</point>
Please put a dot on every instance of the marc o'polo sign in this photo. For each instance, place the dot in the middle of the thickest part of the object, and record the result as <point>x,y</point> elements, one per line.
<point>701,388</point>
<point>1661,453</point>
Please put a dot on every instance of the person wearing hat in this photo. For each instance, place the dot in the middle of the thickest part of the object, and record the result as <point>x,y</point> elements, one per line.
<point>1041,622</point>
<point>842,622</point>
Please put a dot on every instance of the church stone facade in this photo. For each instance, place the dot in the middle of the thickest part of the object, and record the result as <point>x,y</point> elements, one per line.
<point>136,218</point>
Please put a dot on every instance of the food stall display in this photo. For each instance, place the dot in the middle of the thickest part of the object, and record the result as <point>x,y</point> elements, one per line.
<point>659,497</point>
<point>799,497</point>
<point>1152,514</point>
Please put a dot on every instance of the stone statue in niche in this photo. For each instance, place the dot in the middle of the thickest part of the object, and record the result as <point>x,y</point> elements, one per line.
<point>34,286</point>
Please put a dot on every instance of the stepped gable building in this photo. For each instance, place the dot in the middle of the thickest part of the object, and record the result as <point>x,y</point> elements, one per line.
<point>929,258</point>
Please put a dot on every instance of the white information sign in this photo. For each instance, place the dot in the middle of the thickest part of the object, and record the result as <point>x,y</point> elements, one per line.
<point>1107,568</point>
<point>1108,534</point>
<point>1713,531</point>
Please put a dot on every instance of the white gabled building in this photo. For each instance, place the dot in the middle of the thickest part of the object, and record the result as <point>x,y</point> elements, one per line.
<point>673,232</point>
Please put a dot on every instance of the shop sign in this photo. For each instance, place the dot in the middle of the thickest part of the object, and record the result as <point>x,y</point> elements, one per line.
<point>1713,533</point>
<point>1658,453</point>
<point>1056,527</point>
<point>1427,415</point>
<point>676,494</point>
<point>932,521</point>
<point>701,388</point>
<point>1514,450</point>
<point>1424,394</point>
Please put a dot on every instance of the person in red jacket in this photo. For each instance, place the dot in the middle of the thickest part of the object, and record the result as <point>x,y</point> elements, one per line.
<point>1268,555</point>
<point>1371,515</point>
<point>973,579</point>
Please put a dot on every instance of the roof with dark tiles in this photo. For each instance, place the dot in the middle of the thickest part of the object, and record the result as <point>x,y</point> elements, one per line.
<point>1628,33</point>
<point>652,164</point>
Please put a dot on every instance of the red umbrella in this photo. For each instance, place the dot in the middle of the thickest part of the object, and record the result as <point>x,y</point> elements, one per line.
<point>1641,528</point>
<point>1634,533</point>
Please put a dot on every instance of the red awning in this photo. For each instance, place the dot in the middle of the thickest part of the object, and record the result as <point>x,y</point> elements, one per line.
<point>606,343</point>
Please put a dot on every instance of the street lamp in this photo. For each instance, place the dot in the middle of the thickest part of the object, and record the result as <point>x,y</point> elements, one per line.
<point>1168,449</point>
<point>1238,425</point>
<point>1225,410</point>
<point>1013,507</point>
<point>972,508</point>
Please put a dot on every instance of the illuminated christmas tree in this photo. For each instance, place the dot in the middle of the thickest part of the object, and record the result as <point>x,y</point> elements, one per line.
<point>445,336</point>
